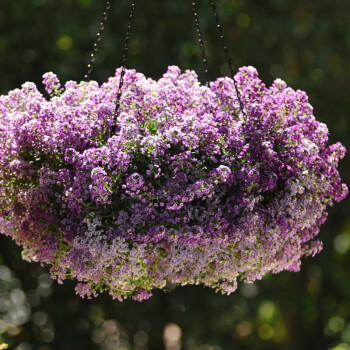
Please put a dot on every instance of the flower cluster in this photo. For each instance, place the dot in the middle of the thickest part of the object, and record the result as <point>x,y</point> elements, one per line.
<point>187,191</point>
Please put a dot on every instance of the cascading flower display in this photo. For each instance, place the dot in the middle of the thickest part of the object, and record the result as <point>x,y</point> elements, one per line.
<point>187,191</point>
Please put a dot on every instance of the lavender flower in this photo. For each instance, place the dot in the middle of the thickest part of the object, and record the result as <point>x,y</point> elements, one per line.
<point>187,191</point>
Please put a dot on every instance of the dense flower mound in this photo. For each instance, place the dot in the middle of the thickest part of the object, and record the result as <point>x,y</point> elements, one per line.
<point>187,191</point>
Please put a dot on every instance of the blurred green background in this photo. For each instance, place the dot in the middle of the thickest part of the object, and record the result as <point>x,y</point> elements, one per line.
<point>304,42</point>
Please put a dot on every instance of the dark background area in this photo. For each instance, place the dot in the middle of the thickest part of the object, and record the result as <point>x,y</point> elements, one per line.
<point>304,42</point>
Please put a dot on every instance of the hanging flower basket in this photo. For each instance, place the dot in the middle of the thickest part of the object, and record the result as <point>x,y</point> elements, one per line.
<point>187,191</point>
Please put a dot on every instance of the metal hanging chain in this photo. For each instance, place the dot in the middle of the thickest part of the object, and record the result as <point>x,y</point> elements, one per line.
<point>125,55</point>
<point>98,41</point>
<point>126,49</point>
<point>228,59</point>
<point>200,40</point>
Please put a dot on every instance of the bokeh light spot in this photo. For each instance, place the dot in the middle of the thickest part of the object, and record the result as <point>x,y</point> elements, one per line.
<point>140,338</point>
<point>336,324</point>
<point>5,273</point>
<point>345,334</point>
<point>267,310</point>
<point>280,333</point>
<point>266,331</point>
<point>172,333</point>
<point>47,335</point>
<point>95,313</point>
<point>40,318</point>
<point>249,290</point>
<point>24,346</point>
<point>341,346</point>
<point>85,3</point>
<point>342,243</point>
<point>243,20</point>
<point>313,286</point>
<point>206,347</point>
<point>65,42</point>
<point>243,329</point>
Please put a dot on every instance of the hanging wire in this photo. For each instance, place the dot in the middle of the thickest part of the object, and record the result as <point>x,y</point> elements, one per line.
<point>228,59</point>
<point>200,40</point>
<point>125,55</point>
<point>98,41</point>
<point>126,50</point>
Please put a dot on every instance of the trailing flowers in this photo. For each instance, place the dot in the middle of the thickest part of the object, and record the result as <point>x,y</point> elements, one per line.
<point>188,190</point>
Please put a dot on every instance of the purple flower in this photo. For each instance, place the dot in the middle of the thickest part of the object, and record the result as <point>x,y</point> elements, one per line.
<point>187,191</point>
<point>51,82</point>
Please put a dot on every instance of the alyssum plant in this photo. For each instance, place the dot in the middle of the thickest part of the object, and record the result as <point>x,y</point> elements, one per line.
<point>187,190</point>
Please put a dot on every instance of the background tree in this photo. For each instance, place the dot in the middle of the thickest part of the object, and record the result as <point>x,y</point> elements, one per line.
<point>307,44</point>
